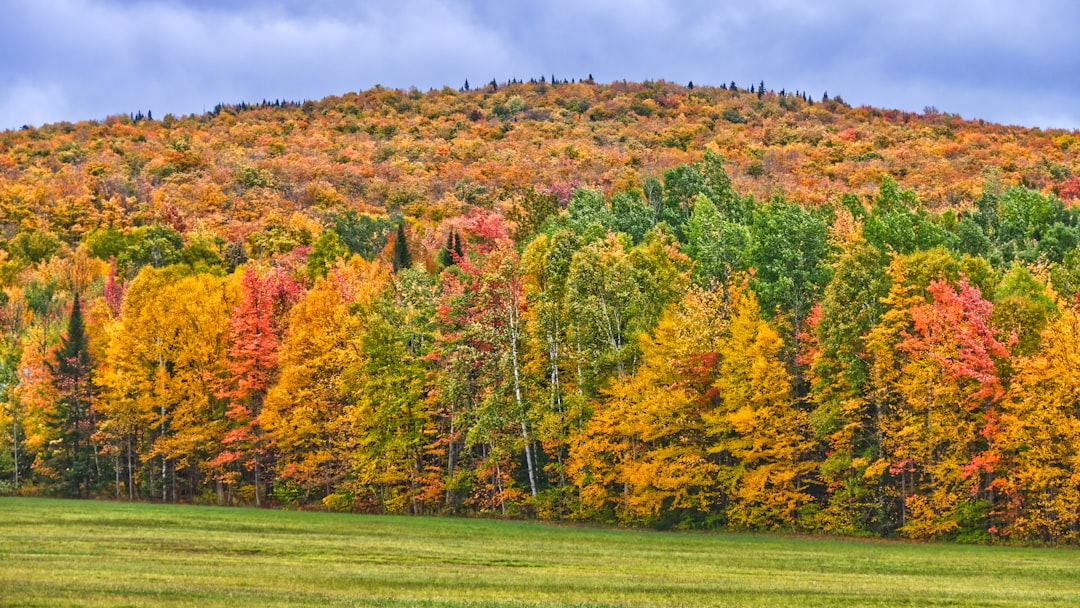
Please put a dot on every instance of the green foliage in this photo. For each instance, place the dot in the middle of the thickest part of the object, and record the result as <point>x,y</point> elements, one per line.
<point>789,255</point>
<point>682,184</point>
<point>897,225</point>
<point>203,253</point>
<point>530,213</point>
<point>107,243</point>
<point>278,237</point>
<point>402,258</point>
<point>72,454</point>
<point>719,246</point>
<point>324,252</point>
<point>362,234</point>
<point>33,246</point>
<point>631,214</point>
<point>588,214</point>
<point>155,246</point>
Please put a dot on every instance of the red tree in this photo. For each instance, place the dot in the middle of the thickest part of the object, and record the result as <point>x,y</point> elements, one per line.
<point>255,331</point>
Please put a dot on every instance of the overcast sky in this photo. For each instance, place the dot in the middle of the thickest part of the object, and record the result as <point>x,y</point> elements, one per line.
<point>1016,62</point>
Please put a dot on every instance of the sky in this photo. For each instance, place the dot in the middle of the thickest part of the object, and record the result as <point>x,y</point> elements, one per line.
<point>1013,62</point>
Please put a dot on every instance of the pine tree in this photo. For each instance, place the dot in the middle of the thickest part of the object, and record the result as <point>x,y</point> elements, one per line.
<point>75,455</point>
<point>402,258</point>
<point>446,254</point>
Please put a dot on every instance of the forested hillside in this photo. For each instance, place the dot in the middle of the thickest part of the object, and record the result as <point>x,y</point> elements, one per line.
<point>638,303</point>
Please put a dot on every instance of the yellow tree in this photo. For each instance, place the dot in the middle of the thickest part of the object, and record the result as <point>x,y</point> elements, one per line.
<point>643,456</point>
<point>1040,438</point>
<point>162,365</point>
<point>304,413</point>
<point>761,438</point>
<point>890,385</point>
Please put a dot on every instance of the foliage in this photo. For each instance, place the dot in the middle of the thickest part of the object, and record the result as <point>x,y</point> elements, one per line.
<point>637,302</point>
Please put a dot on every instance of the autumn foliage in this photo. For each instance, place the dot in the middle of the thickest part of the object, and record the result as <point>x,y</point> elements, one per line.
<point>634,303</point>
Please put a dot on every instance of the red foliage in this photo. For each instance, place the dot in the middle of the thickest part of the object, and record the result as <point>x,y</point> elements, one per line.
<point>114,291</point>
<point>1070,189</point>
<point>955,330</point>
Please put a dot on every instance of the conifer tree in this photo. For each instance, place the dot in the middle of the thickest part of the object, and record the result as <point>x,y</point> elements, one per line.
<point>75,456</point>
<point>446,254</point>
<point>402,257</point>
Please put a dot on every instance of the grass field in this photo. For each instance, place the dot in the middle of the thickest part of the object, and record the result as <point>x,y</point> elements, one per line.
<point>56,553</point>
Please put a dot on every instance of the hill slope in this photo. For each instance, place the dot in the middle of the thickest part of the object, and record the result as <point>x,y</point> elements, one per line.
<point>638,303</point>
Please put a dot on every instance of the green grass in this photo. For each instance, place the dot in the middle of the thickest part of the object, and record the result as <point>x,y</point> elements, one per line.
<point>55,552</point>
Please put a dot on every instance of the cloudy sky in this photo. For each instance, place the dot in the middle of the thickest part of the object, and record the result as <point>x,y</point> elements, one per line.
<point>1010,61</point>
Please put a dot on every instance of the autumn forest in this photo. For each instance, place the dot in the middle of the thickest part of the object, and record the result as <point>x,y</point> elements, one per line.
<point>636,303</point>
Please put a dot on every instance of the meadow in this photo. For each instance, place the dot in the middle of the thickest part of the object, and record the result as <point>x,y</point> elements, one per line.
<point>85,553</point>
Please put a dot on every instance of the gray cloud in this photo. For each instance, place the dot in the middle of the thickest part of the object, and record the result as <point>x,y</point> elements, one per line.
<point>76,59</point>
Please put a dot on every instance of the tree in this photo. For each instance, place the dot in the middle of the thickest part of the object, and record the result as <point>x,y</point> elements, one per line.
<point>487,313</point>
<point>452,252</point>
<point>401,257</point>
<point>643,456</point>
<point>1040,439</point>
<point>896,224</point>
<point>256,327</point>
<point>326,249</point>
<point>631,214</point>
<point>762,440</point>
<point>588,214</point>
<point>789,253</point>
<point>719,246</point>
<point>613,295</point>
<point>361,234</point>
<point>164,362</point>
<point>708,177</point>
<point>393,465</point>
<point>942,434</point>
<point>847,415</point>
<point>74,452</point>
<point>303,415</point>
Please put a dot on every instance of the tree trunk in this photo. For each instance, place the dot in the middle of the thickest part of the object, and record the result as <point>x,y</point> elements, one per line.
<point>15,439</point>
<point>258,488</point>
<point>517,394</point>
<point>130,473</point>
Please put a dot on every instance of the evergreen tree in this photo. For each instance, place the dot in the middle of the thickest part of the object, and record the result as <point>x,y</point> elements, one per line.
<point>73,455</point>
<point>402,258</point>
<point>446,254</point>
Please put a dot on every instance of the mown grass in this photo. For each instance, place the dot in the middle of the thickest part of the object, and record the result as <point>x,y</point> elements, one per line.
<point>56,553</point>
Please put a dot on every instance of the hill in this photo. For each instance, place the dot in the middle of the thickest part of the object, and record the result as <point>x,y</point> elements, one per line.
<point>233,170</point>
<point>641,303</point>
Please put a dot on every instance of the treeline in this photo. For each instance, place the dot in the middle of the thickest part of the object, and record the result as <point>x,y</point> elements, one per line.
<point>673,354</point>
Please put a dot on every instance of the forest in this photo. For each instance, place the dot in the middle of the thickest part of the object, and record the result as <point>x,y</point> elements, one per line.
<point>643,304</point>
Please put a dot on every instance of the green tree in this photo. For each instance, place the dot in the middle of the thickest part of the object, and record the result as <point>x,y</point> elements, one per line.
<point>74,454</point>
<point>789,254</point>
<point>324,252</point>
<point>402,259</point>
<point>717,245</point>
<point>846,414</point>
<point>394,462</point>
<point>361,234</point>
